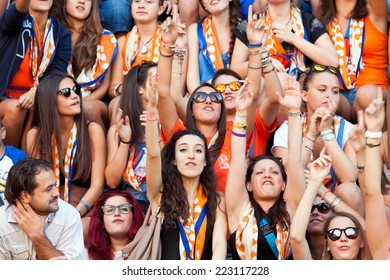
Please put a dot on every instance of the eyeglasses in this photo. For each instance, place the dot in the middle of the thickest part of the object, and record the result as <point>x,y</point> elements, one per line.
<point>200,97</point>
<point>66,92</point>
<point>234,86</point>
<point>322,68</point>
<point>334,234</point>
<point>125,208</point>
<point>323,208</point>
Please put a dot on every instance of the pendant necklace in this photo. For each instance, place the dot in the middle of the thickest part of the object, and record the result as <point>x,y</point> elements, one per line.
<point>144,48</point>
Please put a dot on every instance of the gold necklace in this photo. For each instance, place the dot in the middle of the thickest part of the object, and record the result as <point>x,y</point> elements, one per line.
<point>144,48</point>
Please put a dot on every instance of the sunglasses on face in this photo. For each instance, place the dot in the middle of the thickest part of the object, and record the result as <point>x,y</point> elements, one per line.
<point>234,86</point>
<point>66,92</point>
<point>200,97</point>
<point>322,68</point>
<point>334,234</point>
<point>323,208</point>
<point>125,208</point>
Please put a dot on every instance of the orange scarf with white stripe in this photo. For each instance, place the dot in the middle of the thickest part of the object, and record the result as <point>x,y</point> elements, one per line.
<point>90,79</point>
<point>130,48</point>
<point>247,234</point>
<point>212,43</point>
<point>196,244</point>
<point>273,44</point>
<point>348,65</point>
<point>130,175</point>
<point>68,164</point>
<point>46,55</point>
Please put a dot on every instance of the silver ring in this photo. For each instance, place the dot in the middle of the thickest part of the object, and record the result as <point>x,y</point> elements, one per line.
<point>373,111</point>
<point>166,30</point>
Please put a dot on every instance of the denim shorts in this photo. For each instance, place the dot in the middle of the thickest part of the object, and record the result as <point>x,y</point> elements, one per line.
<point>115,15</point>
<point>349,95</point>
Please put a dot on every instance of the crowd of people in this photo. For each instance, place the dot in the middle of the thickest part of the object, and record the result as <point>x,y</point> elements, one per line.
<point>259,128</point>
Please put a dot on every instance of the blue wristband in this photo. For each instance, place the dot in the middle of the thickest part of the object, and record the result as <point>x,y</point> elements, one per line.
<point>255,45</point>
<point>85,204</point>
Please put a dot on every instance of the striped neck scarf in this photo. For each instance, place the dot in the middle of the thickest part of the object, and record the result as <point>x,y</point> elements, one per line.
<point>68,164</point>
<point>213,49</point>
<point>46,55</point>
<point>193,230</point>
<point>274,47</point>
<point>350,55</point>
<point>247,234</point>
<point>130,48</point>
<point>135,172</point>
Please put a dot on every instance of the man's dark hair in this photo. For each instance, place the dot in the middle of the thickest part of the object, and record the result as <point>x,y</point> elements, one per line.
<point>21,177</point>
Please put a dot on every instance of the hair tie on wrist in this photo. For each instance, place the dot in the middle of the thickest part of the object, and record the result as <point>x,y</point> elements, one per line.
<point>238,134</point>
<point>85,204</point>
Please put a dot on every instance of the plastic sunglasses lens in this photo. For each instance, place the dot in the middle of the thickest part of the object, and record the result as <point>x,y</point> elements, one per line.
<point>220,88</point>
<point>200,97</point>
<point>319,68</point>
<point>333,70</point>
<point>351,232</point>
<point>215,97</point>
<point>334,234</point>
<point>65,92</point>
<point>323,208</point>
<point>235,85</point>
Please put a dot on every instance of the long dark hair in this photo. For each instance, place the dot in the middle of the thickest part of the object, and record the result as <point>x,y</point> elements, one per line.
<point>47,122</point>
<point>225,71</point>
<point>84,50</point>
<point>190,123</point>
<point>174,202</point>
<point>99,242</point>
<point>131,103</point>
<point>329,11</point>
<point>278,212</point>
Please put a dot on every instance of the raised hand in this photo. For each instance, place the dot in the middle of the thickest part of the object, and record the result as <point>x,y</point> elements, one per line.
<point>169,31</point>
<point>123,126</point>
<point>374,114</point>
<point>244,98</point>
<point>256,30</point>
<point>356,135</point>
<point>292,95</point>
<point>320,168</point>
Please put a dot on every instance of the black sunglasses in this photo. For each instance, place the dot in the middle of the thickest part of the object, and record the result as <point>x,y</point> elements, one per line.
<point>66,92</point>
<point>200,97</point>
<point>334,234</point>
<point>125,208</point>
<point>323,208</point>
<point>234,86</point>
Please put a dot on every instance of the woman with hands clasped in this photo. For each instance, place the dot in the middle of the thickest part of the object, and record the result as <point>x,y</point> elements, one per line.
<point>342,231</point>
<point>262,202</point>
<point>182,182</point>
<point>321,127</point>
<point>370,157</point>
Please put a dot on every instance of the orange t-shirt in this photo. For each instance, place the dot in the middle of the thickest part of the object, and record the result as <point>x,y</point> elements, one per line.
<point>261,135</point>
<point>23,80</point>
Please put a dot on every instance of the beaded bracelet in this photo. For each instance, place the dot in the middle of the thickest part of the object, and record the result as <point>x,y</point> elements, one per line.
<point>239,134</point>
<point>179,55</point>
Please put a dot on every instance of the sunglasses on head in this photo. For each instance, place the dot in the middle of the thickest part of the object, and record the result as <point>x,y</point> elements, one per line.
<point>125,208</point>
<point>66,92</point>
<point>323,208</point>
<point>322,68</point>
<point>234,86</point>
<point>335,233</point>
<point>200,97</point>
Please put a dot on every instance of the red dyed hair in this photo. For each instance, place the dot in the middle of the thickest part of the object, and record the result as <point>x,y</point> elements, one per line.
<point>98,241</point>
